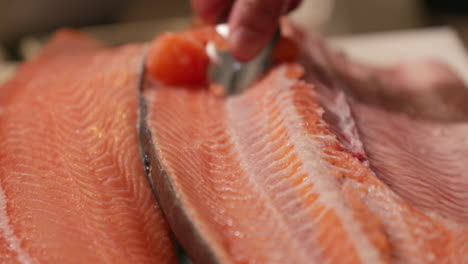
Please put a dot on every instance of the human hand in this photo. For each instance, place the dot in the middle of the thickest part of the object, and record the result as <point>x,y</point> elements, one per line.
<point>252,22</point>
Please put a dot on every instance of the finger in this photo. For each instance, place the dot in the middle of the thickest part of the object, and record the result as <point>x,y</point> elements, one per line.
<point>253,23</point>
<point>293,4</point>
<point>212,11</point>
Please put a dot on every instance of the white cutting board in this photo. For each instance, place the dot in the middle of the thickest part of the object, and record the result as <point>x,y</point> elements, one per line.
<point>387,48</point>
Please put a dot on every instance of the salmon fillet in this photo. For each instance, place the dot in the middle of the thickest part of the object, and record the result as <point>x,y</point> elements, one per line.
<point>72,187</point>
<point>263,178</point>
<point>300,168</point>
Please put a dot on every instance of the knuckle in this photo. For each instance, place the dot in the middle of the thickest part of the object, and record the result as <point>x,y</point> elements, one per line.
<point>260,15</point>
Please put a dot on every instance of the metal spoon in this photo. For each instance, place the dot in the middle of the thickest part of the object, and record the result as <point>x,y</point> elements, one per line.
<point>232,74</point>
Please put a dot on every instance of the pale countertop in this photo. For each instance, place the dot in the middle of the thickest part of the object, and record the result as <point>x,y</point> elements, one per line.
<point>387,48</point>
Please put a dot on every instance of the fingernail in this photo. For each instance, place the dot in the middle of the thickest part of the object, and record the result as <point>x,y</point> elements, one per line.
<point>244,43</point>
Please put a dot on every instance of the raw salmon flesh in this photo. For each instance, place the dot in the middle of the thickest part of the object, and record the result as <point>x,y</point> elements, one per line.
<point>322,160</point>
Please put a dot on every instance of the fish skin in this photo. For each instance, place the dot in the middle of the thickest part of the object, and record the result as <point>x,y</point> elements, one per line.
<point>72,187</point>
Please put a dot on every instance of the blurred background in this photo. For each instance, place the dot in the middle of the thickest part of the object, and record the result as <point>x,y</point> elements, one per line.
<point>25,24</point>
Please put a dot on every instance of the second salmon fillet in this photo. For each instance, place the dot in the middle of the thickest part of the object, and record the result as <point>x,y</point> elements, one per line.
<point>261,178</point>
